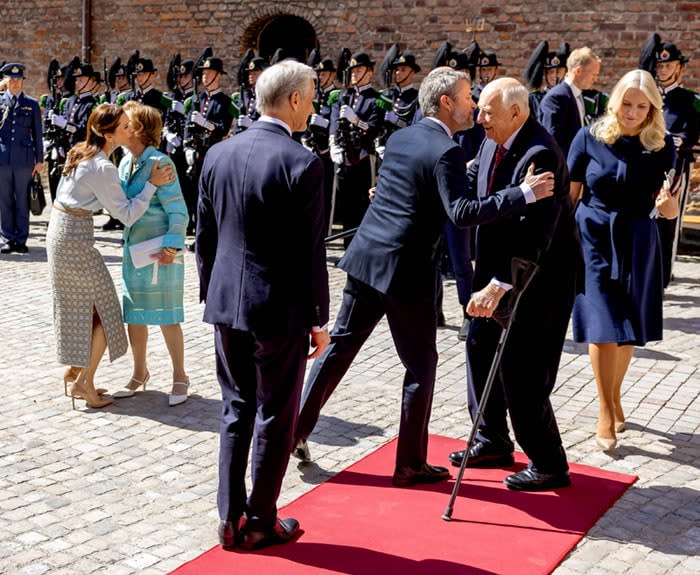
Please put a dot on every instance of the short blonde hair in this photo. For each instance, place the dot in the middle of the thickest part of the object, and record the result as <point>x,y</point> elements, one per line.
<point>146,122</point>
<point>581,57</point>
<point>607,129</point>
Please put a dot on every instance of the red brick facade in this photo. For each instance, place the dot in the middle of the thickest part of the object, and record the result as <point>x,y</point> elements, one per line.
<point>36,30</point>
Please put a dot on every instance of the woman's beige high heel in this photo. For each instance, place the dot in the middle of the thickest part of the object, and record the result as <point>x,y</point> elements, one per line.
<point>606,443</point>
<point>132,387</point>
<point>70,375</point>
<point>78,391</point>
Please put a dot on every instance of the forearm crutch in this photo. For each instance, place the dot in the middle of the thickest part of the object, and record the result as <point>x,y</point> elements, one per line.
<point>523,272</point>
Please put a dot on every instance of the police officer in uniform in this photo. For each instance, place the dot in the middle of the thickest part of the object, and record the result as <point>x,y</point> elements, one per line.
<point>401,97</point>
<point>21,156</point>
<point>356,117</point>
<point>316,137</point>
<point>210,115</point>
<point>244,100</point>
<point>682,115</point>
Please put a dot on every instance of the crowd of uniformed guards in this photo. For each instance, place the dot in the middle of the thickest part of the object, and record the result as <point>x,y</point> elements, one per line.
<point>353,119</point>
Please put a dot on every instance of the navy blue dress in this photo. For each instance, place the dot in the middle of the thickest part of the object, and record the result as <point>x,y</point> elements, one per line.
<point>623,294</point>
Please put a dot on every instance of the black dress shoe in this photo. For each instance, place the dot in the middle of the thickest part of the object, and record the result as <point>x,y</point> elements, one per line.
<point>20,248</point>
<point>483,454</point>
<point>426,473</point>
<point>530,480</point>
<point>464,330</point>
<point>283,531</point>
<point>7,248</point>
<point>301,451</point>
<point>227,534</point>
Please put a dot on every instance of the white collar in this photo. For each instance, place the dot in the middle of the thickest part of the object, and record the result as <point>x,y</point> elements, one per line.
<point>441,124</point>
<point>275,121</point>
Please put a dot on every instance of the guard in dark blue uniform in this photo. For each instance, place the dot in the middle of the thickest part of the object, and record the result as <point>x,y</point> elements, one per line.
<point>317,135</point>
<point>55,143</point>
<point>76,109</point>
<point>682,115</point>
<point>21,156</point>
<point>356,118</point>
<point>244,100</point>
<point>399,98</point>
<point>487,69</point>
<point>210,115</point>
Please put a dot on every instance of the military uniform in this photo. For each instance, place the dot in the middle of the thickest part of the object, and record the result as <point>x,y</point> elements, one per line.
<point>209,119</point>
<point>486,60</point>
<point>55,139</point>
<point>317,136</point>
<point>76,109</point>
<point>681,111</point>
<point>400,103</point>
<point>352,146</point>
<point>21,149</point>
<point>244,99</point>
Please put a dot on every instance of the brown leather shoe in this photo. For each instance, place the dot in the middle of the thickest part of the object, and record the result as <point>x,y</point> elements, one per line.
<point>426,473</point>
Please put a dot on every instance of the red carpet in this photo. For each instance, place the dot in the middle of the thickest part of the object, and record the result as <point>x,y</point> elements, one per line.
<point>358,524</point>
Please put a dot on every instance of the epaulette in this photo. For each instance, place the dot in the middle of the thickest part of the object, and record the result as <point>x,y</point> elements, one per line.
<point>333,97</point>
<point>188,105</point>
<point>166,102</point>
<point>236,99</point>
<point>696,103</point>
<point>62,105</point>
<point>43,99</point>
<point>121,99</point>
<point>233,111</point>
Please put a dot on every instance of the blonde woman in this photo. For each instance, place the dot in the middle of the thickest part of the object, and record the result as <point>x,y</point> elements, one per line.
<point>87,315</point>
<point>618,172</point>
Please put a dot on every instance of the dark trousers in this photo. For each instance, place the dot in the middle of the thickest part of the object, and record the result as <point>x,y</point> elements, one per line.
<point>14,203</point>
<point>328,182</point>
<point>411,317</point>
<point>459,247</point>
<point>261,382</point>
<point>352,193</point>
<point>524,381</point>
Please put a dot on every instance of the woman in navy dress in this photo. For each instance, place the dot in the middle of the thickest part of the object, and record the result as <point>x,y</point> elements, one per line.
<point>618,171</point>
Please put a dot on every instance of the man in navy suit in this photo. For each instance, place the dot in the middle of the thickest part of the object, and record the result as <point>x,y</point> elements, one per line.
<point>263,296</point>
<point>21,156</point>
<point>392,263</point>
<point>546,235</point>
<point>562,110</point>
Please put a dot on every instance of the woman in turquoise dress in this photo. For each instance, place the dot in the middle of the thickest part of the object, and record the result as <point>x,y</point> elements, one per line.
<point>153,294</point>
<point>618,170</point>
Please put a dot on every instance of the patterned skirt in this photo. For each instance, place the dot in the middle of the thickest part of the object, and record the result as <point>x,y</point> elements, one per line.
<point>81,283</point>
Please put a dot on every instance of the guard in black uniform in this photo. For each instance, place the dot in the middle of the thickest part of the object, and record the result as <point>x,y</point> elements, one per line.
<point>76,109</point>
<point>356,118</point>
<point>316,137</point>
<point>55,140</point>
<point>487,69</point>
<point>210,114</point>
<point>400,95</point>
<point>244,100</point>
<point>682,115</point>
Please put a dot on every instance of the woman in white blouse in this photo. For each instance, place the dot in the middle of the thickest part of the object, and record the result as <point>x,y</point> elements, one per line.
<point>87,315</point>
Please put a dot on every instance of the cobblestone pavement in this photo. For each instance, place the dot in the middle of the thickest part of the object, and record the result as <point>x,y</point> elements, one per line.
<point>131,488</point>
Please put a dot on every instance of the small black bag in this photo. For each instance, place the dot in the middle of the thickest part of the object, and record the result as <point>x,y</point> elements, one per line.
<point>37,200</point>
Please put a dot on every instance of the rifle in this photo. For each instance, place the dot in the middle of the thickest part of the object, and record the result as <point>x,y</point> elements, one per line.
<point>108,89</point>
<point>346,137</point>
<point>196,138</point>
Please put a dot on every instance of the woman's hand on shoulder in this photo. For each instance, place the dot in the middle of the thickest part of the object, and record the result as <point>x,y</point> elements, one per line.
<point>161,175</point>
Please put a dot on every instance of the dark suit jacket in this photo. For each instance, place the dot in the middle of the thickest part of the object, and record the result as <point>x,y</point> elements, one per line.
<point>559,115</point>
<point>544,233</point>
<point>422,181</point>
<point>260,249</point>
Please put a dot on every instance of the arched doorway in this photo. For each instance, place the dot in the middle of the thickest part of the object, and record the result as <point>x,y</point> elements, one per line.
<point>291,33</point>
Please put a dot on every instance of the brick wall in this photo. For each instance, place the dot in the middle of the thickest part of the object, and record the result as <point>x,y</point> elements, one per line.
<point>36,30</point>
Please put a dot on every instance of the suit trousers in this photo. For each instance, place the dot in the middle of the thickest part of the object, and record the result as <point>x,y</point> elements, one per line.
<point>412,321</point>
<point>14,203</point>
<point>522,386</point>
<point>261,381</point>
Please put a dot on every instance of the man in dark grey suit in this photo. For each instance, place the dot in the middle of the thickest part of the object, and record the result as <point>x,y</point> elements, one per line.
<point>392,268</point>
<point>562,110</point>
<point>545,234</point>
<point>264,296</point>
